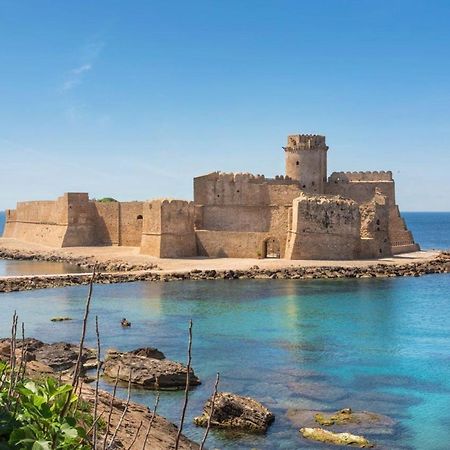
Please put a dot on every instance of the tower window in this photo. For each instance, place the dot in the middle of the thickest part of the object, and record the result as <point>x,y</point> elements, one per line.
<point>139,217</point>
<point>297,163</point>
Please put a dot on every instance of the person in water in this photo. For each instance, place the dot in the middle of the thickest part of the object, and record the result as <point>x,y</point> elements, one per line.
<point>125,323</point>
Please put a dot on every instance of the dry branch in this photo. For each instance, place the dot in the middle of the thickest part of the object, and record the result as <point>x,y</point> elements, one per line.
<point>186,391</point>
<point>211,412</point>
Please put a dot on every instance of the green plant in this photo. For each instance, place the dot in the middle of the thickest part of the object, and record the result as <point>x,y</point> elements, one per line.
<point>32,415</point>
<point>107,200</point>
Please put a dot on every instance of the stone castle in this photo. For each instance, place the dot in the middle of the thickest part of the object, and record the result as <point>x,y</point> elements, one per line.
<point>301,215</point>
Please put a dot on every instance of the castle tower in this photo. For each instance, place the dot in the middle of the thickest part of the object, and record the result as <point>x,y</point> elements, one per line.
<point>306,161</point>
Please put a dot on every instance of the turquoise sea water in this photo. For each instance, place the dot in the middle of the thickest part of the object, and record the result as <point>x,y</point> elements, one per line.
<point>381,345</point>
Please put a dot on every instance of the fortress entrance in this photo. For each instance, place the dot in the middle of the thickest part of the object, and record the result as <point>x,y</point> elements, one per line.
<point>271,248</point>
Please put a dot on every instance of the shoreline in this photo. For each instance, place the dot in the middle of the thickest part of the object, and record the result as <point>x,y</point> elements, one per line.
<point>435,263</point>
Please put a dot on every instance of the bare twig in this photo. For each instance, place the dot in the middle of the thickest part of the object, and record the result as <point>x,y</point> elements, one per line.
<point>12,358</point>
<point>108,424</point>
<point>76,372</point>
<point>186,391</point>
<point>97,378</point>
<point>135,436</point>
<point>23,361</point>
<point>94,423</point>
<point>123,412</point>
<point>211,412</point>
<point>151,421</point>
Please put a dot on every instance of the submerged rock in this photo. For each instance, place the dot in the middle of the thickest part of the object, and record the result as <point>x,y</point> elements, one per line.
<point>365,422</point>
<point>234,411</point>
<point>328,437</point>
<point>148,372</point>
<point>60,319</point>
<point>341,417</point>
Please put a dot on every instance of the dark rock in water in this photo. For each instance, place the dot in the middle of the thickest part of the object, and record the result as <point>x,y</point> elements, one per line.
<point>60,319</point>
<point>147,372</point>
<point>236,412</point>
<point>328,437</point>
<point>148,352</point>
<point>60,356</point>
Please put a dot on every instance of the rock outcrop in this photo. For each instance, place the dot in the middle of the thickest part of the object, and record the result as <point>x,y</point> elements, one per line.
<point>328,437</point>
<point>147,372</point>
<point>56,357</point>
<point>234,411</point>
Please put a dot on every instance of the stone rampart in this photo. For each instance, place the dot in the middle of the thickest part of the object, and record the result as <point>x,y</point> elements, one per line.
<point>324,227</point>
<point>168,229</point>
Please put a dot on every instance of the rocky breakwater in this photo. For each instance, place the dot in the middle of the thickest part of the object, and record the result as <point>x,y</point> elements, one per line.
<point>147,368</point>
<point>235,412</point>
<point>439,264</point>
<point>87,263</point>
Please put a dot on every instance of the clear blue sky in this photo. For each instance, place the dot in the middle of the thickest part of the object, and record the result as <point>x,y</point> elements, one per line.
<point>132,99</point>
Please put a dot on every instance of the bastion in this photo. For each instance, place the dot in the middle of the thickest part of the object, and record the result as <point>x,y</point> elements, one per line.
<point>304,214</point>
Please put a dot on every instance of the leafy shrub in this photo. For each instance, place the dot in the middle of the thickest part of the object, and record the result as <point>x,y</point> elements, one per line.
<point>40,415</point>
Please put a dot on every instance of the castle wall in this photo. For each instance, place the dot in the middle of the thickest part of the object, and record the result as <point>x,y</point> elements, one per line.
<point>168,229</point>
<point>375,242</point>
<point>324,227</point>
<point>362,187</point>
<point>107,218</point>
<point>218,189</point>
<point>131,222</point>
<point>230,244</point>
<point>44,222</point>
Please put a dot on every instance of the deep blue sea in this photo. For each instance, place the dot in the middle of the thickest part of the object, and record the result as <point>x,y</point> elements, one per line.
<point>381,345</point>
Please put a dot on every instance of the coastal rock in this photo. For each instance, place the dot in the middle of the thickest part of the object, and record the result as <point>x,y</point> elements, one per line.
<point>59,356</point>
<point>148,352</point>
<point>234,411</point>
<point>328,437</point>
<point>147,372</point>
<point>365,422</point>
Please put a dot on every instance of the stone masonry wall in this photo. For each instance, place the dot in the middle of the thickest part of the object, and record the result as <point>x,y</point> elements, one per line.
<point>38,221</point>
<point>324,227</point>
<point>168,229</point>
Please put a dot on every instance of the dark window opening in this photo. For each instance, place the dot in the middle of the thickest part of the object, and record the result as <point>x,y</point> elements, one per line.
<point>139,217</point>
<point>297,163</point>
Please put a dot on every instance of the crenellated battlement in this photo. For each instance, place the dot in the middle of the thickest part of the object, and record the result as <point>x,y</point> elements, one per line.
<point>351,177</point>
<point>297,142</point>
<point>244,177</point>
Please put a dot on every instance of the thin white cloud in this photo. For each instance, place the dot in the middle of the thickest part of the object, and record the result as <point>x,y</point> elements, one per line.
<point>75,77</point>
<point>89,53</point>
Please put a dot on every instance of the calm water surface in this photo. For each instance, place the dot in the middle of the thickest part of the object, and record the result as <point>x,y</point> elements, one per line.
<point>381,345</point>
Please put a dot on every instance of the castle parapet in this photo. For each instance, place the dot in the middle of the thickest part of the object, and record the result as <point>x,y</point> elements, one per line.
<point>348,177</point>
<point>297,142</point>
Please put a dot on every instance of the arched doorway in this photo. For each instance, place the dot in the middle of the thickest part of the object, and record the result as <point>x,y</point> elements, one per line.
<point>271,248</point>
